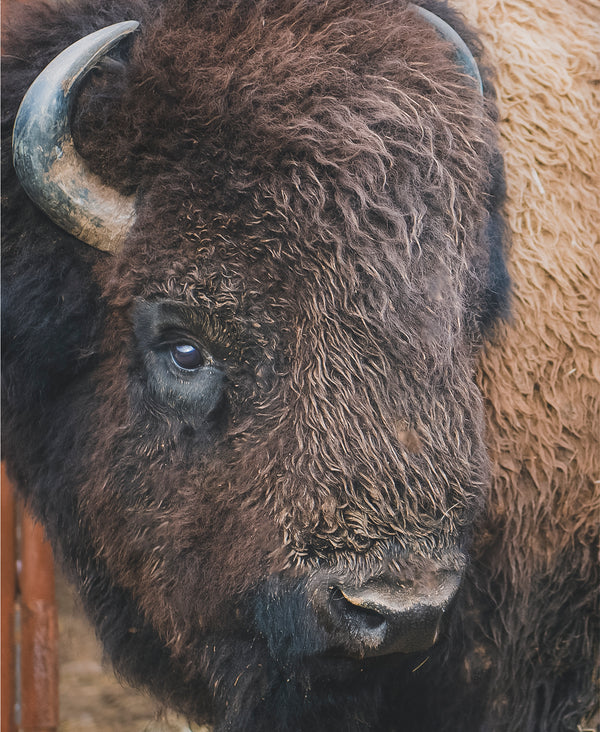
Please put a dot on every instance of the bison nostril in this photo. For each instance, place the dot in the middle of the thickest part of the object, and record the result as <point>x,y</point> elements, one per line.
<point>385,616</point>
<point>356,614</point>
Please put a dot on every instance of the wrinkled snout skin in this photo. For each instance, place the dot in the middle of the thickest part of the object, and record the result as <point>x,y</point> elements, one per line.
<point>253,433</point>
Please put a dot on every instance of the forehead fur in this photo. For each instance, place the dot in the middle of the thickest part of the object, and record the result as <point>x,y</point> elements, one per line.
<point>343,126</point>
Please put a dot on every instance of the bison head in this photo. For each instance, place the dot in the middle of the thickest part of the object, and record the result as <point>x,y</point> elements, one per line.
<point>252,430</point>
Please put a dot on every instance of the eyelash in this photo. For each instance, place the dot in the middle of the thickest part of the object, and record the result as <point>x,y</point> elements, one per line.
<point>220,349</point>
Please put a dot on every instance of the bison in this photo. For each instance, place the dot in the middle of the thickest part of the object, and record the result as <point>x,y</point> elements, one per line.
<point>261,381</point>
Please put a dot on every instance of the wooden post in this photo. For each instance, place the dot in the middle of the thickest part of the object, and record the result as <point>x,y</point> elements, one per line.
<point>39,632</point>
<point>9,587</point>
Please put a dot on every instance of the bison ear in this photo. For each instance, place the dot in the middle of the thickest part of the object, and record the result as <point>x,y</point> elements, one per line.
<point>497,286</point>
<point>52,310</point>
<point>496,302</point>
<point>51,314</point>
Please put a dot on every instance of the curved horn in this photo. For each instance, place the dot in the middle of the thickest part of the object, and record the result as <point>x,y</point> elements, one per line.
<point>49,168</point>
<point>464,57</point>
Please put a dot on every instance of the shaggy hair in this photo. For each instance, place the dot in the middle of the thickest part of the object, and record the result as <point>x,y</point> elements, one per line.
<point>539,548</point>
<point>319,197</point>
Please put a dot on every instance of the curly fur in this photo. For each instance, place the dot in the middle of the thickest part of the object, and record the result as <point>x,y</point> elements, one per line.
<point>321,190</point>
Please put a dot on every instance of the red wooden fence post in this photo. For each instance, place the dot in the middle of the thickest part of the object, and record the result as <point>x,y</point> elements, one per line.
<point>9,585</point>
<point>39,632</point>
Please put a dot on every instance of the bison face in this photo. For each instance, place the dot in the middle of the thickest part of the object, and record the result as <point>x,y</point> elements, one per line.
<point>263,457</point>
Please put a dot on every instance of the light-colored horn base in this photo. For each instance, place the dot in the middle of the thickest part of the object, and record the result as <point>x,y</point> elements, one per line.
<point>49,168</point>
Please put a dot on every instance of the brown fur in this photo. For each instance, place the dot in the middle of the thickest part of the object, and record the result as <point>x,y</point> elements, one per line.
<point>337,418</point>
<point>313,181</point>
<point>542,379</point>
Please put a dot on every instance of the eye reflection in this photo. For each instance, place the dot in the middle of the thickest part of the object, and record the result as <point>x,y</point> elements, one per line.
<point>186,356</point>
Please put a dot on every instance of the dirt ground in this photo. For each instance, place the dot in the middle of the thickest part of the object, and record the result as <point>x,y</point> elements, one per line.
<point>91,699</point>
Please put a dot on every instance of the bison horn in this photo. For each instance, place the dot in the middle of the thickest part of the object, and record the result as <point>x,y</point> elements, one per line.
<point>52,173</point>
<point>56,178</point>
<point>464,57</point>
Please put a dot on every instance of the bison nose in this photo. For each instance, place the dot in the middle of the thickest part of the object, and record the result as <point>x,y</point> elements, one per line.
<point>385,616</point>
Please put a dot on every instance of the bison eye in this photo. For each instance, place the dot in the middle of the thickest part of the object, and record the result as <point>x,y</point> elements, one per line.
<point>186,356</point>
